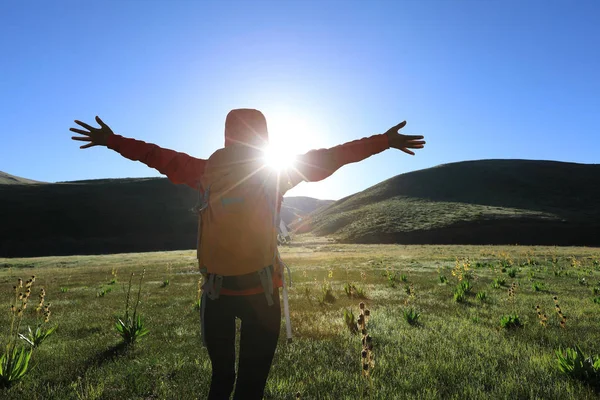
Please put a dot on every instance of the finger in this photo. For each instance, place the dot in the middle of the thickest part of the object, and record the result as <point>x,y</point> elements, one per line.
<point>400,125</point>
<point>79,131</point>
<point>414,137</point>
<point>416,141</point>
<point>407,151</point>
<point>415,146</point>
<point>102,124</point>
<point>87,146</point>
<point>86,126</point>
<point>81,138</point>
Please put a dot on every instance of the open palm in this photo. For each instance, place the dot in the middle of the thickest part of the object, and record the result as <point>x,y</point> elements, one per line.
<point>404,142</point>
<point>95,136</point>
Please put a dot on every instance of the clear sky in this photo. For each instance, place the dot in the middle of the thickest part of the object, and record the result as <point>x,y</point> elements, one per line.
<point>480,79</point>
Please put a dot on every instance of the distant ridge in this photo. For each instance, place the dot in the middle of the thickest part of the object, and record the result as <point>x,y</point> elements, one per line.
<point>477,202</point>
<point>7,179</point>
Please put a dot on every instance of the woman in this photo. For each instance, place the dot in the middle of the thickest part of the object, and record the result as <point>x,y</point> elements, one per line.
<point>237,251</point>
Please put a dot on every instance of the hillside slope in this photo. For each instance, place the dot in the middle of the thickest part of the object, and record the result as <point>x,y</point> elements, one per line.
<point>103,216</point>
<point>487,201</point>
<point>7,179</point>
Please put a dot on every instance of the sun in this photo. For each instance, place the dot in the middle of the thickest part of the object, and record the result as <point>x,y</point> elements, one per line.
<point>278,157</point>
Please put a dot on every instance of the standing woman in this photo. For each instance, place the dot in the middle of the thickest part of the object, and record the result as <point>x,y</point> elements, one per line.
<point>238,220</point>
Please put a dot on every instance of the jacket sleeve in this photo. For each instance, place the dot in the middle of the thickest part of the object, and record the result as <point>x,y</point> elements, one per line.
<point>178,167</point>
<point>319,164</point>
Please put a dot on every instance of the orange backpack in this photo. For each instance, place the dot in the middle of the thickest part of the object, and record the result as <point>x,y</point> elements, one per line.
<point>238,220</point>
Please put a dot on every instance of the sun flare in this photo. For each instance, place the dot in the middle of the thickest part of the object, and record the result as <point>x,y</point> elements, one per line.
<point>278,157</point>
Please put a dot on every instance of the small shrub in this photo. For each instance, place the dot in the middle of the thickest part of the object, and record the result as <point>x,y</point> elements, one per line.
<point>404,278</point>
<point>14,358</point>
<point>537,286</point>
<point>64,290</point>
<point>350,322</point>
<point>575,364</point>
<point>596,300</point>
<point>327,295</point>
<point>512,272</point>
<point>443,279</point>
<point>392,279</point>
<point>353,291</point>
<point>102,292</point>
<point>481,296</point>
<point>459,294</point>
<point>411,316</point>
<point>165,283</point>
<point>466,286</point>
<point>131,327</point>
<point>510,322</point>
<point>498,283</point>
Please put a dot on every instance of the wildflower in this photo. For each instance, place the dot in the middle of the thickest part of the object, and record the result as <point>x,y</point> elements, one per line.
<point>20,283</point>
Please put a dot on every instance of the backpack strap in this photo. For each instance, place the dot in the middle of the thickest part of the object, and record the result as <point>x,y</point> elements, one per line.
<point>266,280</point>
<point>213,286</point>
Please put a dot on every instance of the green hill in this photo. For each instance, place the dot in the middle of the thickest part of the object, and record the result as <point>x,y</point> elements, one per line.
<point>103,216</point>
<point>477,202</point>
<point>298,207</point>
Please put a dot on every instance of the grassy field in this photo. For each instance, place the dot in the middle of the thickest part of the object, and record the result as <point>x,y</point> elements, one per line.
<point>455,350</point>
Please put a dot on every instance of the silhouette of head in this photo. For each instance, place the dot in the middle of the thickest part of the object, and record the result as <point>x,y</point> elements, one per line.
<point>247,127</point>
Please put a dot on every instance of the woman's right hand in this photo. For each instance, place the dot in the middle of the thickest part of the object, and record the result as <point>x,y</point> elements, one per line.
<point>95,136</point>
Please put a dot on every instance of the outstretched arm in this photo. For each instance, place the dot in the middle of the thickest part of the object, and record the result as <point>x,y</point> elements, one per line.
<point>317,165</point>
<point>178,167</point>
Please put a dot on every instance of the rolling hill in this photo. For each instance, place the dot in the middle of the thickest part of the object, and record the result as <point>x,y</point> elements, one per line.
<point>475,202</point>
<point>104,216</point>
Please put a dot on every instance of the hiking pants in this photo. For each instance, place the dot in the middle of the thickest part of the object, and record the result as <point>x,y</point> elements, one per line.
<point>260,326</point>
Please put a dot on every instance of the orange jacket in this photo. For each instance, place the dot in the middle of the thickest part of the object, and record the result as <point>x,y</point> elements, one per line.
<point>312,166</point>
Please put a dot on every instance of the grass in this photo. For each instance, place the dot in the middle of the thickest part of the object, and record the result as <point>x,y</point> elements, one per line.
<point>457,350</point>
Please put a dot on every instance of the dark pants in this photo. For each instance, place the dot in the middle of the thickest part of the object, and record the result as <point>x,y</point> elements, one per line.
<point>258,340</point>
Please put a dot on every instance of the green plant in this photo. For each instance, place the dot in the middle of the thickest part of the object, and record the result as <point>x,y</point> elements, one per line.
<point>510,322</point>
<point>443,279</point>
<point>596,300</point>
<point>498,283</point>
<point>36,337</point>
<point>512,272</point>
<point>404,278</point>
<point>459,294</point>
<point>392,279</point>
<point>350,322</point>
<point>466,286</point>
<point>14,364</point>
<point>327,295</point>
<point>131,327</point>
<point>537,286</point>
<point>481,296</point>
<point>103,291</point>
<point>411,316</point>
<point>14,359</point>
<point>582,281</point>
<point>64,290</point>
<point>353,291</point>
<point>575,364</point>
<point>165,283</point>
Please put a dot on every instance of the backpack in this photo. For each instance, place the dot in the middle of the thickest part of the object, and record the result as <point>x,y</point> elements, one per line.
<point>238,221</point>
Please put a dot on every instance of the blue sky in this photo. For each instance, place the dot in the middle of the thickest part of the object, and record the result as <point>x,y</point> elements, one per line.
<point>480,79</point>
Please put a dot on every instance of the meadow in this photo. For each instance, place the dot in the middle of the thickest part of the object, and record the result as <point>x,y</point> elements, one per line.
<point>445,321</point>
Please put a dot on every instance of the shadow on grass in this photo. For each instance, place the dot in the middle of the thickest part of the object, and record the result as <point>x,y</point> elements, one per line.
<point>109,354</point>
